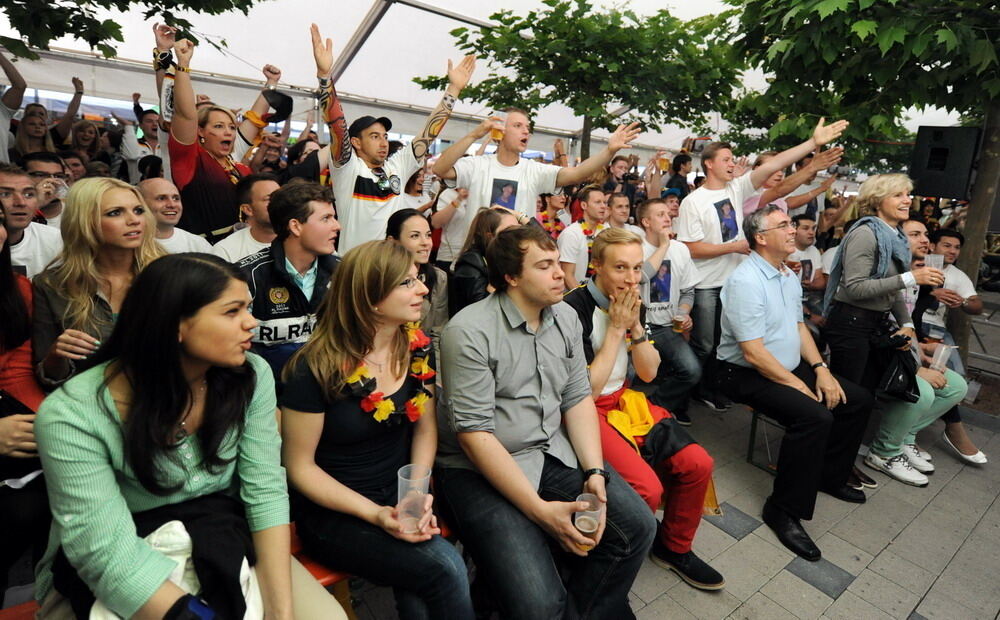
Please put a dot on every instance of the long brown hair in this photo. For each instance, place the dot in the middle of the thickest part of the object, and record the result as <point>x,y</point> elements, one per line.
<point>345,329</point>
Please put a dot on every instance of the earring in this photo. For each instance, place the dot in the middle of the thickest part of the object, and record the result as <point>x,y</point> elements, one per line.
<point>375,308</point>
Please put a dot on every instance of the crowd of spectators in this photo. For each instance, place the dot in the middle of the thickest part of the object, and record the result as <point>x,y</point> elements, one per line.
<point>209,323</point>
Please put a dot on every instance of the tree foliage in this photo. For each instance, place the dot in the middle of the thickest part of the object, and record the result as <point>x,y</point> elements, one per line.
<point>661,68</point>
<point>39,22</point>
<point>866,61</point>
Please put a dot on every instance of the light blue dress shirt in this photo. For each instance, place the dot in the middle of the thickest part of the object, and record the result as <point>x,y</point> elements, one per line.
<point>758,301</point>
<point>305,282</point>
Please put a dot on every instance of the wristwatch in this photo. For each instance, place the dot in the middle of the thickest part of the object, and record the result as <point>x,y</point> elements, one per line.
<point>820,365</point>
<point>597,470</point>
<point>641,339</point>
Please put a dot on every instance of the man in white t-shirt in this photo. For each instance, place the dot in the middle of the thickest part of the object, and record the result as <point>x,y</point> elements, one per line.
<point>711,224</point>
<point>367,181</point>
<point>9,104</point>
<point>957,293</point>
<point>808,263</point>
<point>619,210</point>
<point>574,242</point>
<point>506,177</point>
<point>32,245</point>
<point>164,200</point>
<point>254,195</point>
<point>454,216</point>
<point>668,291</point>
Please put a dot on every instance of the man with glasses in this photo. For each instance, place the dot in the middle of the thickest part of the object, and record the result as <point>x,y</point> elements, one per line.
<point>288,279</point>
<point>769,362</point>
<point>52,181</point>
<point>32,245</point>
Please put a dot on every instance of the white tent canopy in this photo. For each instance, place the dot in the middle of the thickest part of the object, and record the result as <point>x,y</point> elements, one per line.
<point>406,41</point>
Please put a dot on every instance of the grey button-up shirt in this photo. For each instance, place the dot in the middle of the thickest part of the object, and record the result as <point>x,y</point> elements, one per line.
<point>503,378</point>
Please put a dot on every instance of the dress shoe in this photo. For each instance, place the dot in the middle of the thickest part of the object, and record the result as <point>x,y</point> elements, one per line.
<point>846,493</point>
<point>789,531</point>
<point>866,481</point>
<point>976,459</point>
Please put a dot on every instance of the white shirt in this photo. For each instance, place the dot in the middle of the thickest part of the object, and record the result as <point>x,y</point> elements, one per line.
<point>453,233</point>
<point>485,177</point>
<point>955,280</point>
<point>828,257</point>
<point>679,273</point>
<point>811,262</point>
<point>37,248</point>
<point>619,370</point>
<point>406,201</point>
<point>238,246</point>
<point>183,241</point>
<point>56,221</point>
<point>362,207</point>
<point>6,138</point>
<point>700,219</point>
<point>574,247</point>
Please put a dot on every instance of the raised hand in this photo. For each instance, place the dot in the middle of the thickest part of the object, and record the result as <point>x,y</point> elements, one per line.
<point>136,97</point>
<point>623,136</point>
<point>828,182</point>
<point>77,85</point>
<point>122,121</point>
<point>322,53</point>
<point>741,165</point>
<point>824,134</point>
<point>272,74</point>
<point>827,158</point>
<point>166,36</point>
<point>459,75</point>
<point>184,50</point>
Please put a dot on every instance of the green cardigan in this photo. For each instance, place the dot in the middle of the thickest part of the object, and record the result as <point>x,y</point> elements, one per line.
<point>93,492</point>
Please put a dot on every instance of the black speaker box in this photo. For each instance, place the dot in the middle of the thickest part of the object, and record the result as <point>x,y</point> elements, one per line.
<point>943,161</point>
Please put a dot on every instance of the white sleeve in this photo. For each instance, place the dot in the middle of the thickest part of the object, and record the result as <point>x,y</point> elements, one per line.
<point>743,188</point>
<point>688,225</point>
<point>465,169</point>
<point>5,136</point>
<point>963,285</point>
<point>543,177</point>
<point>571,243</point>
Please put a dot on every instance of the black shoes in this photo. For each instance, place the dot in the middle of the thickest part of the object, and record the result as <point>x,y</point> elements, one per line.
<point>715,401</point>
<point>789,531</point>
<point>846,493</point>
<point>688,566</point>
<point>682,417</point>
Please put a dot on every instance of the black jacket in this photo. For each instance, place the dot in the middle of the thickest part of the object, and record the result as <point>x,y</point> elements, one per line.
<point>468,281</point>
<point>286,317</point>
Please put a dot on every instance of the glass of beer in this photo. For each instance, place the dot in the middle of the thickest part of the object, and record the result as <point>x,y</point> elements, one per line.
<point>496,134</point>
<point>678,322</point>
<point>663,163</point>
<point>587,521</point>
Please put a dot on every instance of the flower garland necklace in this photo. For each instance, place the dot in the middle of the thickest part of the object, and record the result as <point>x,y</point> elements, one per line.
<point>590,233</point>
<point>552,225</point>
<point>362,385</point>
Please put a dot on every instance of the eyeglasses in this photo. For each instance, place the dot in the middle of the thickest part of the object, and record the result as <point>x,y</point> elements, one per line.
<point>411,282</point>
<point>38,174</point>
<point>789,225</point>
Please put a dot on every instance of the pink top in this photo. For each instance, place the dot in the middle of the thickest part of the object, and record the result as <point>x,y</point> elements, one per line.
<point>752,203</point>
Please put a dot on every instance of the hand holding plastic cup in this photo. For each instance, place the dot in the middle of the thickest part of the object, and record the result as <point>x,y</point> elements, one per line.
<point>678,322</point>
<point>934,260</point>
<point>941,354</point>
<point>496,133</point>
<point>588,521</point>
<point>413,483</point>
<point>54,189</point>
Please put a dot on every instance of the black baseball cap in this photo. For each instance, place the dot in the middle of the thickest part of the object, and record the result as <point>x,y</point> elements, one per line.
<point>365,122</point>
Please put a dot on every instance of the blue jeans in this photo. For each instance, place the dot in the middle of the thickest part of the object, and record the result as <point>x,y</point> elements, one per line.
<point>520,561</point>
<point>679,370</point>
<point>707,317</point>
<point>429,579</point>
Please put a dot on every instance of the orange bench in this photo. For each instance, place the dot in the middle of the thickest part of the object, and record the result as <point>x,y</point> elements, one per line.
<point>24,611</point>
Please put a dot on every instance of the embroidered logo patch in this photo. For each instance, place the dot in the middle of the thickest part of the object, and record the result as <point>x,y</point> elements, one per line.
<point>278,295</point>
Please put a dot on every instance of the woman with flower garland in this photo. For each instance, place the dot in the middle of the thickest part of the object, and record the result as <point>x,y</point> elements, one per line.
<point>358,404</point>
<point>553,215</point>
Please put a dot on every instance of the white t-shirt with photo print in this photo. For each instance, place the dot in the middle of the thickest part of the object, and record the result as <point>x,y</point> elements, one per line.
<point>662,290</point>
<point>715,216</point>
<point>515,187</point>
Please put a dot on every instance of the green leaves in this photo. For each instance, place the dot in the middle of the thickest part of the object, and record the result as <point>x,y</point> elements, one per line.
<point>947,37</point>
<point>826,8</point>
<point>889,37</point>
<point>864,28</point>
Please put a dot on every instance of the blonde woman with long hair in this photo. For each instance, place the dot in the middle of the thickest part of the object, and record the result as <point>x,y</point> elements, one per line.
<point>108,237</point>
<point>33,134</point>
<point>357,405</point>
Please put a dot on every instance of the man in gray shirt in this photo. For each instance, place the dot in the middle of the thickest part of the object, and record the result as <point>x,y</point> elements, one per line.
<point>519,440</point>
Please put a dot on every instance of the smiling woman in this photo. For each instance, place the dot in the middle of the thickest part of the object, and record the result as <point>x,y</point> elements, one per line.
<point>413,231</point>
<point>108,238</point>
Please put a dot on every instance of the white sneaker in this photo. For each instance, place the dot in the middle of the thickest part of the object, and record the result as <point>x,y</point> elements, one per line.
<point>897,467</point>
<point>924,454</point>
<point>917,461</point>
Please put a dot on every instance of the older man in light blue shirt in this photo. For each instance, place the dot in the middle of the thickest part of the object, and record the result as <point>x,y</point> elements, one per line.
<point>769,361</point>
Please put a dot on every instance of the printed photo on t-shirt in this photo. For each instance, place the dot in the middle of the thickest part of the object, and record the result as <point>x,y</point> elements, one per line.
<point>727,220</point>
<point>504,193</point>
<point>659,286</point>
<point>806,273</point>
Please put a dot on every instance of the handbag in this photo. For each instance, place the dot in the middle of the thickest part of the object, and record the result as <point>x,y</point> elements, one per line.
<point>11,467</point>
<point>899,377</point>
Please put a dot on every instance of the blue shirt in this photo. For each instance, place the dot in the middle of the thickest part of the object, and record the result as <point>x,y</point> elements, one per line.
<point>305,282</point>
<point>758,301</point>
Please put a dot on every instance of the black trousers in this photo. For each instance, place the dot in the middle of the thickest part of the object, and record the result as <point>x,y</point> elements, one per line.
<point>819,444</point>
<point>25,519</point>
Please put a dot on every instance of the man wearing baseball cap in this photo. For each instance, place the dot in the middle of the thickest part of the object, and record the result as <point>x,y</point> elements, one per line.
<point>366,180</point>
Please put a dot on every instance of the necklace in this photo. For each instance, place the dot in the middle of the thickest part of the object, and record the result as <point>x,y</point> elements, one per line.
<point>181,429</point>
<point>379,365</point>
<point>590,233</point>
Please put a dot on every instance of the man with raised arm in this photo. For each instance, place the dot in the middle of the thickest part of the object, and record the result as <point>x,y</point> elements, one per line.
<point>482,173</point>
<point>711,224</point>
<point>367,181</point>
<point>519,440</point>
<point>9,104</point>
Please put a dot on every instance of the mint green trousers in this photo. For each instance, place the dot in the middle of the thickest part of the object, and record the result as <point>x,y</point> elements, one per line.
<point>901,421</point>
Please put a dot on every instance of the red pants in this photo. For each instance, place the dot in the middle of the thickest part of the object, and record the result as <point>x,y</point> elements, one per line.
<point>679,482</point>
